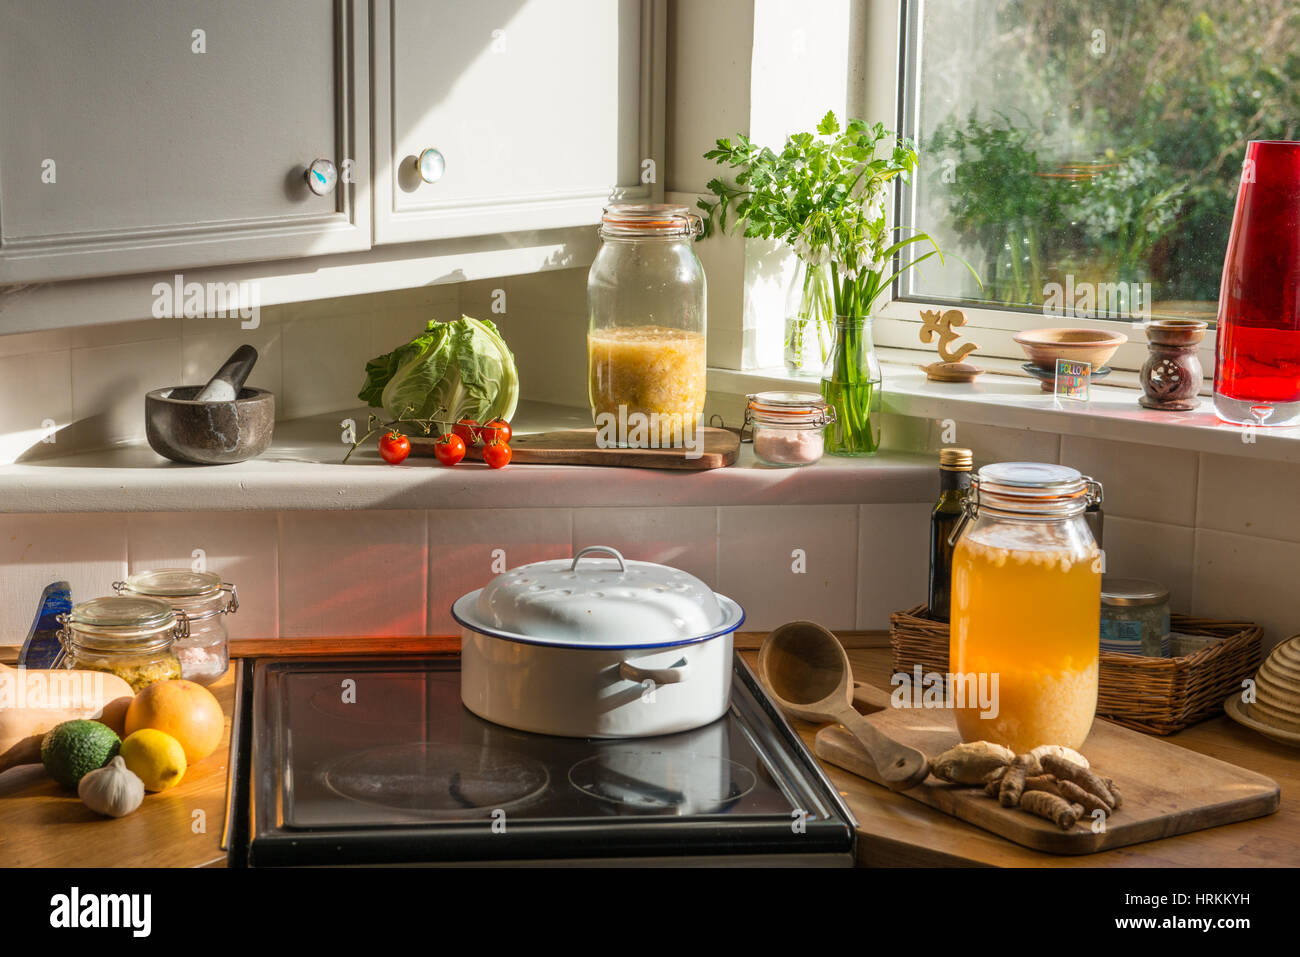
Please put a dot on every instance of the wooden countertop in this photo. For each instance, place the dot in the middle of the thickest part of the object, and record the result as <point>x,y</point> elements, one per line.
<point>896,831</point>
<point>43,825</point>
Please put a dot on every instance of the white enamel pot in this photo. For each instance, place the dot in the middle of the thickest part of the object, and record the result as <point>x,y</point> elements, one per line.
<point>597,648</point>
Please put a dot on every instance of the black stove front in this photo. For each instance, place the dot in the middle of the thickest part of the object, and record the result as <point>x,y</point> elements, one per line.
<point>357,761</point>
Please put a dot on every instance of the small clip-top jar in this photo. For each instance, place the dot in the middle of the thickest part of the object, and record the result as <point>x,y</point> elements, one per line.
<point>788,427</point>
<point>204,600</point>
<point>132,638</point>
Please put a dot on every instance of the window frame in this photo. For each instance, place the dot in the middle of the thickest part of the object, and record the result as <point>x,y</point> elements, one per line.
<point>892,98</point>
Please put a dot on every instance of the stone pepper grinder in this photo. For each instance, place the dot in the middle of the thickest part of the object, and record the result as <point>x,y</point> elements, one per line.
<point>1172,374</point>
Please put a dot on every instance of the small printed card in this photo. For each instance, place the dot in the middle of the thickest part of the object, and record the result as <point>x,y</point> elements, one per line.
<point>1073,379</point>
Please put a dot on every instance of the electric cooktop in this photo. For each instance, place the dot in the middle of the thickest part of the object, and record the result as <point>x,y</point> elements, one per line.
<point>362,761</point>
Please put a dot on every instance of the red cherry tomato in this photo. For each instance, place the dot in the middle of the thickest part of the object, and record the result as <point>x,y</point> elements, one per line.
<point>469,431</point>
<point>394,447</point>
<point>449,449</point>
<point>497,430</point>
<point>497,454</point>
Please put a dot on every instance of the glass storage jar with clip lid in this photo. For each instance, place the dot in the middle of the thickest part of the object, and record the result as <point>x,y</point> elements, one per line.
<point>646,336</point>
<point>787,427</point>
<point>132,638</point>
<point>1025,608</point>
<point>204,599</point>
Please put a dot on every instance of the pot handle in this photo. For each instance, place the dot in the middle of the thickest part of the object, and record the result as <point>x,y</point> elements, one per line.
<point>660,676</point>
<point>599,548</point>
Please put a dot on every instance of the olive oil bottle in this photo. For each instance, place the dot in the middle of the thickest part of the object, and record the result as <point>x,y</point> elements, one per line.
<point>954,486</point>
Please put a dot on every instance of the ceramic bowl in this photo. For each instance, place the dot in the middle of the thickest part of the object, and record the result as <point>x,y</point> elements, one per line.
<point>1045,346</point>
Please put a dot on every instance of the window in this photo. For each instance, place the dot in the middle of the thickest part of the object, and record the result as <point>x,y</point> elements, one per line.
<point>1084,158</point>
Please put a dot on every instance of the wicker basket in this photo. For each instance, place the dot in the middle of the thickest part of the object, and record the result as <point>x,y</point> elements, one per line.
<point>1155,695</point>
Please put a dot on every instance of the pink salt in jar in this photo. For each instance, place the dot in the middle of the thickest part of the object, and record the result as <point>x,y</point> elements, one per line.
<point>787,427</point>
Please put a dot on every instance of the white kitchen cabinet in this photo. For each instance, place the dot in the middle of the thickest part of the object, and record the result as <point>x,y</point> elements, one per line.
<point>542,110</point>
<point>173,134</point>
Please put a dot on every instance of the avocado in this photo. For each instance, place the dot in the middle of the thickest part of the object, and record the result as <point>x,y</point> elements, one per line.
<point>75,748</point>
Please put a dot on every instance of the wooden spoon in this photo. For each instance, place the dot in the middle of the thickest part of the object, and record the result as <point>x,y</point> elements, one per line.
<point>807,672</point>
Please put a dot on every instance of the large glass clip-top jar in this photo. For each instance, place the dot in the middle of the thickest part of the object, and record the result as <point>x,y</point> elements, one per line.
<point>204,600</point>
<point>646,365</point>
<point>1025,608</point>
<point>132,638</point>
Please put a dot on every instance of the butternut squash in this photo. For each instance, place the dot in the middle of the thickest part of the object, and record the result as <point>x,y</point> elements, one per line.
<point>33,701</point>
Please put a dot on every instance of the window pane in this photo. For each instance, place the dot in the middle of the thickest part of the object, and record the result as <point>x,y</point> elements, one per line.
<point>1088,154</point>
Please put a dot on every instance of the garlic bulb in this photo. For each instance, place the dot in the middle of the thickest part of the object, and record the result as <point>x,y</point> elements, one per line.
<point>113,790</point>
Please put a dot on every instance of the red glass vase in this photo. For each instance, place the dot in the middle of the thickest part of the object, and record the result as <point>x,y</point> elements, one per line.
<point>1257,367</point>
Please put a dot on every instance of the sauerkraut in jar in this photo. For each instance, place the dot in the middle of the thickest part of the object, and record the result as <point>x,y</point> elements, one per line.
<point>646,360</point>
<point>1026,607</point>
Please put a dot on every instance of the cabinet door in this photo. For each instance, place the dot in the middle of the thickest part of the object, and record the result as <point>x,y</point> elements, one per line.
<point>540,109</point>
<point>165,134</point>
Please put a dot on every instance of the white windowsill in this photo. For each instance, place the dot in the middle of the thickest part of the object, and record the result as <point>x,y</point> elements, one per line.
<point>1016,401</point>
<point>303,470</point>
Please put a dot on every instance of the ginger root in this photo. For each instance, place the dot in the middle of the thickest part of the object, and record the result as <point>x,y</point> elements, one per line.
<point>1060,751</point>
<point>993,781</point>
<point>969,763</point>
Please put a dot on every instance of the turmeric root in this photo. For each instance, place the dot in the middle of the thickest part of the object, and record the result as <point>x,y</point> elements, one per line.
<point>993,781</point>
<point>969,763</point>
<point>1012,786</point>
<point>1030,764</point>
<point>1055,809</point>
<point>1066,770</point>
<point>1114,792</point>
<point>1072,792</point>
<point>1043,782</point>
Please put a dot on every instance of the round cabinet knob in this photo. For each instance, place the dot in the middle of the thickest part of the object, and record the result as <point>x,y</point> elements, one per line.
<point>322,177</point>
<point>431,165</point>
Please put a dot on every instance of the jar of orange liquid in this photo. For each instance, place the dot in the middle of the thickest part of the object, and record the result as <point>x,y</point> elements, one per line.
<point>1026,608</point>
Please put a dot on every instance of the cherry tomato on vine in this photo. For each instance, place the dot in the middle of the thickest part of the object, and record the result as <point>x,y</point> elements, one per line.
<point>449,449</point>
<point>469,431</point>
<point>497,454</point>
<point>394,447</point>
<point>497,430</point>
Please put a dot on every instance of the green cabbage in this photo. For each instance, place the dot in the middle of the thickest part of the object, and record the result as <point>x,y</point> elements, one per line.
<point>451,371</point>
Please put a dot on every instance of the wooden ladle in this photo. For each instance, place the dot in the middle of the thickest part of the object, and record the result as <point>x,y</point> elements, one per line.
<point>807,672</point>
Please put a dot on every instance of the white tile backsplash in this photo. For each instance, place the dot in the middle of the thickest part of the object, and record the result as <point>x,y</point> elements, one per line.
<point>353,573</point>
<point>783,562</point>
<point>44,383</point>
<point>242,547</point>
<point>1157,552</point>
<point>469,547</point>
<point>1146,482</point>
<point>109,384</point>
<point>995,443</point>
<point>86,550</point>
<point>324,360</point>
<point>1244,578</point>
<point>1249,496</point>
<point>893,561</point>
<point>685,537</point>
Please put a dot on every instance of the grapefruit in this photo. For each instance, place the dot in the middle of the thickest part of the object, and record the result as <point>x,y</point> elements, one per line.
<point>187,711</point>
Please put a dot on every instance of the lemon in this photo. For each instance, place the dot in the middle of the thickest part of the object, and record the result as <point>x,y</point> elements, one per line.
<point>155,757</point>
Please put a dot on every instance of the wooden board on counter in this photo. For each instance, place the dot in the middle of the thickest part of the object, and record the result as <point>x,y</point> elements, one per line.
<point>721,447</point>
<point>45,825</point>
<point>1167,790</point>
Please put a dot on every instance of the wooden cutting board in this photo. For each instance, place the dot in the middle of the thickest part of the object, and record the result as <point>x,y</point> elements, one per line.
<point>578,447</point>
<point>1167,790</point>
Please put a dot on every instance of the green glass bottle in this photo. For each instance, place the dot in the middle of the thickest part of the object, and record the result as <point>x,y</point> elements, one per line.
<point>954,486</point>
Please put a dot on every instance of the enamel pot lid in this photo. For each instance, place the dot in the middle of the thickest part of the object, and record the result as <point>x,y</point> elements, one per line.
<point>608,602</point>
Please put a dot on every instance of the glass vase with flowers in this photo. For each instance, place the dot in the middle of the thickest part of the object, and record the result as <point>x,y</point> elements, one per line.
<point>824,194</point>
